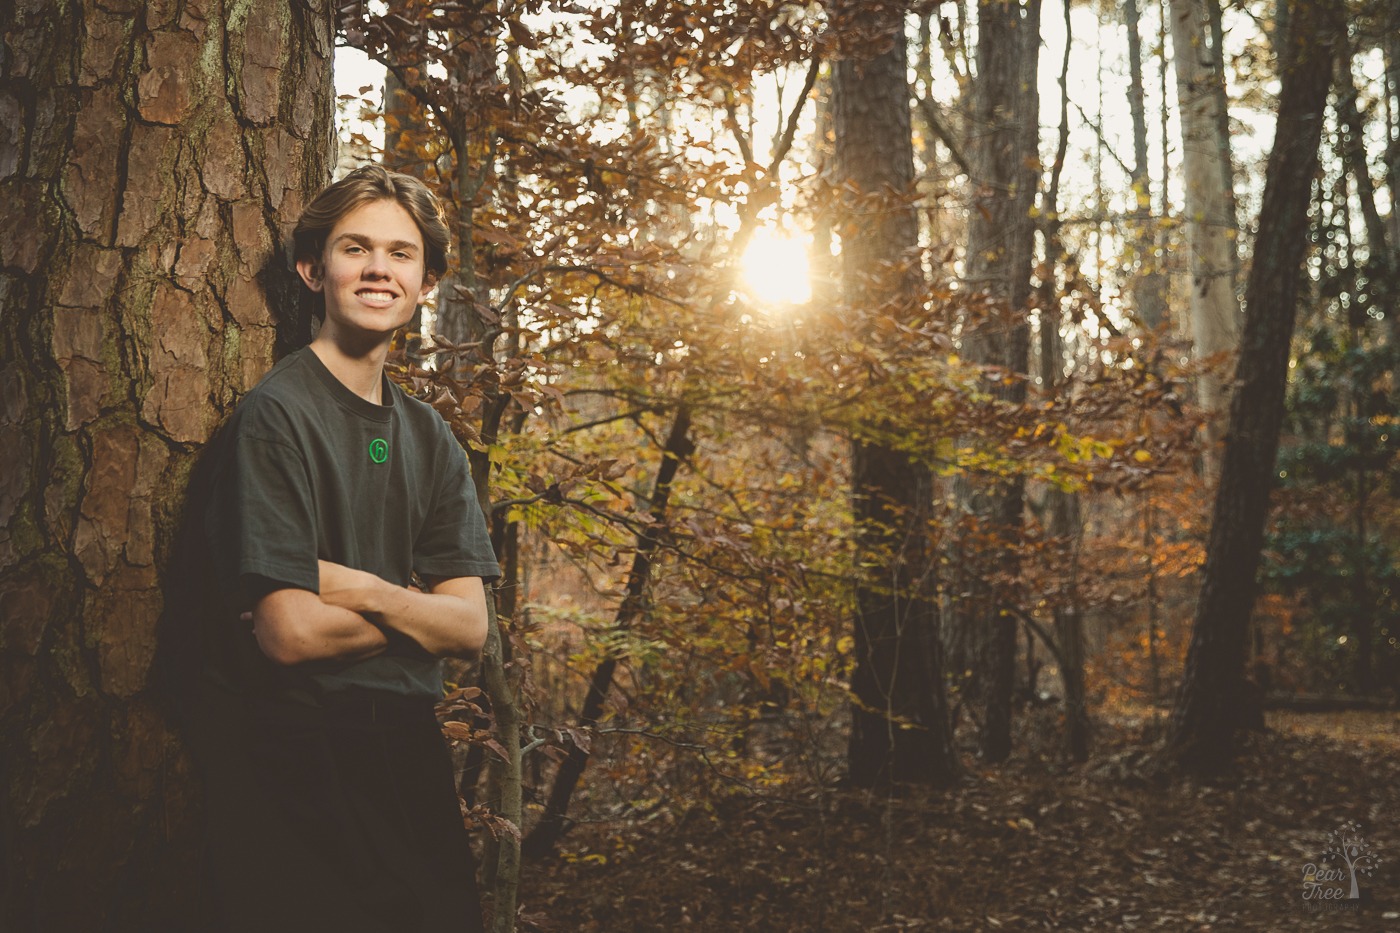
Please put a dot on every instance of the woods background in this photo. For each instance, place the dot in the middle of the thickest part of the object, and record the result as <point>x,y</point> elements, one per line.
<point>862,395</point>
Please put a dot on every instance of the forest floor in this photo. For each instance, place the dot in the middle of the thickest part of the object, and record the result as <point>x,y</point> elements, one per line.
<point>1035,844</point>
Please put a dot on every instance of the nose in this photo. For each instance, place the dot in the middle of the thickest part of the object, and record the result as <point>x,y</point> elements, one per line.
<point>378,265</point>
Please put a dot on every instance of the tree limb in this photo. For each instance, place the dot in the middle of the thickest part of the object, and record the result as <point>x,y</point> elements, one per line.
<point>929,110</point>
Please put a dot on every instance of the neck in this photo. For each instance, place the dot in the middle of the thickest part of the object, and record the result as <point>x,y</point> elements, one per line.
<point>360,369</point>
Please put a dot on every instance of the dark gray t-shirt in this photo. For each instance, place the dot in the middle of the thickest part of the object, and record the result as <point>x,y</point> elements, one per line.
<point>310,471</point>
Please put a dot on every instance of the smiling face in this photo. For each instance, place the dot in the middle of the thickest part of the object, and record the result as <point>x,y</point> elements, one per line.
<point>371,273</point>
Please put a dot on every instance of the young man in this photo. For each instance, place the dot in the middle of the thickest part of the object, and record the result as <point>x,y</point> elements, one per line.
<point>329,790</point>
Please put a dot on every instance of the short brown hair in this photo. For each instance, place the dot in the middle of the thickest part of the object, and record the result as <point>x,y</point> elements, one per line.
<point>374,183</point>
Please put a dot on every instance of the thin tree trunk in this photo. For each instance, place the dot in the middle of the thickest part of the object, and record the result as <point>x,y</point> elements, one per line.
<point>1210,224</point>
<point>1149,549</point>
<point>823,268</point>
<point>1164,112</point>
<point>473,148</point>
<point>147,174</point>
<point>553,822</point>
<point>678,446</point>
<point>458,295</point>
<point>402,117</point>
<point>404,127</point>
<point>1382,260</point>
<point>1069,628</point>
<point>1391,49</point>
<point>936,123</point>
<point>1381,265</point>
<point>1391,91</point>
<point>1149,284</point>
<point>1000,251</point>
<point>1224,158</point>
<point>502,859</point>
<point>1065,523</point>
<point>1206,715</point>
<point>899,730</point>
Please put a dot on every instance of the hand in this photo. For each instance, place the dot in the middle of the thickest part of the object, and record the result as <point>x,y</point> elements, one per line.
<point>335,572</point>
<point>357,590</point>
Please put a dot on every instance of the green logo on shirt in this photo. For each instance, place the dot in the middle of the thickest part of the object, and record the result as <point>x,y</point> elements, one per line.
<point>379,450</point>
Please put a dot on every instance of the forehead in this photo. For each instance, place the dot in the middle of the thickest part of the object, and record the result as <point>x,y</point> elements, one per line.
<point>378,221</point>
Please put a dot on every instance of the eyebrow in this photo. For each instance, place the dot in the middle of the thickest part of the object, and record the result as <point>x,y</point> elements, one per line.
<point>366,241</point>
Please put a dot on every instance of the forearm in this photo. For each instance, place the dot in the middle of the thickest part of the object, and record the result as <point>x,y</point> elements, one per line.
<point>294,627</point>
<point>444,624</point>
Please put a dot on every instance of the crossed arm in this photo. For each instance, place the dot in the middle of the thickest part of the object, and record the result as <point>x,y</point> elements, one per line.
<point>348,619</point>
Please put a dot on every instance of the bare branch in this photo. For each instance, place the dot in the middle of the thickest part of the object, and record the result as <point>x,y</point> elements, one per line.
<point>636,412</point>
<point>790,131</point>
<point>731,120</point>
<point>929,110</point>
<point>1098,131</point>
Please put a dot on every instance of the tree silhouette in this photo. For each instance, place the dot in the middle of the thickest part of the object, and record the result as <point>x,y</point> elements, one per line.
<point>1347,844</point>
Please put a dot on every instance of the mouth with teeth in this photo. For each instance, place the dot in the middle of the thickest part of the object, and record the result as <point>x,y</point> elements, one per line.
<point>376,297</point>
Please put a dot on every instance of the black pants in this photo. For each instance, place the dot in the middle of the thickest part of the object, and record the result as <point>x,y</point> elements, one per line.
<point>340,817</point>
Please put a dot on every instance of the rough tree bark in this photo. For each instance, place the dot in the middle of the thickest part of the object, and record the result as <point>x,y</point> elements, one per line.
<point>1211,227</point>
<point>1207,714</point>
<point>1004,125</point>
<point>900,730</point>
<point>151,159</point>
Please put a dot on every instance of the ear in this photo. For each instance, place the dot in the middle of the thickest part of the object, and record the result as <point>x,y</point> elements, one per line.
<point>430,282</point>
<point>312,274</point>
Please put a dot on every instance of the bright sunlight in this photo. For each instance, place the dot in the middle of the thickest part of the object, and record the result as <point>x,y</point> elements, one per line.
<point>776,271</point>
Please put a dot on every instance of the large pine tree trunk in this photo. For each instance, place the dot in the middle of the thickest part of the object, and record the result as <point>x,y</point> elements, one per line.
<point>1207,710</point>
<point>1004,125</point>
<point>151,164</point>
<point>1211,227</point>
<point>900,730</point>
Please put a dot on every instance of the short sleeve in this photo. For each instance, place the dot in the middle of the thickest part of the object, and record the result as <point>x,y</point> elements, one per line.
<point>454,541</point>
<point>262,520</point>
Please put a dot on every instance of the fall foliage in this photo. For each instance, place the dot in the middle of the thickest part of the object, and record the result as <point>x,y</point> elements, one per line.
<point>878,437</point>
